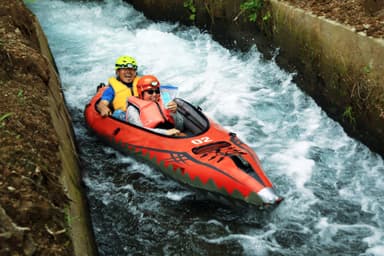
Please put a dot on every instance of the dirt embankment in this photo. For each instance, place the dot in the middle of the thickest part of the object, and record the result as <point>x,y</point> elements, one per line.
<point>363,15</point>
<point>38,214</point>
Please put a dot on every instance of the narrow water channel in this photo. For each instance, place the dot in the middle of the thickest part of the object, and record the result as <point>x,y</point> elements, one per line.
<point>332,184</point>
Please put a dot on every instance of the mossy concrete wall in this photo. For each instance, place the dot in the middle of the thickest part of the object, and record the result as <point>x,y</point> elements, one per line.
<point>79,219</point>
<point>341,69</point>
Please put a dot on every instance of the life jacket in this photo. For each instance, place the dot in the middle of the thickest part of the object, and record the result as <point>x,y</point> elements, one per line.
<point>152,114</point>
<point>122,92</point>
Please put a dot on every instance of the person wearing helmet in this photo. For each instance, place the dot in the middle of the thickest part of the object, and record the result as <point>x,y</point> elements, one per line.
<point>114,98</point>
<point>147,110</point>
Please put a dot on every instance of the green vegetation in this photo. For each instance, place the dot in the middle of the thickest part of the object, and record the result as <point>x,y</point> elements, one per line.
<point>3,117</point>
<point>348,114</point>
<point>2,125</point>
<point>367,69</point>
<point>68,217</point>
<point>253,8</point>
<point>20,93</point>
<point>267,16</point>
<point>20,96</point>
<point>190,5</point>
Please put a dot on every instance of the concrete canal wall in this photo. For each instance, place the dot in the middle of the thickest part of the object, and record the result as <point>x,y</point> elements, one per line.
<point>80,224</point>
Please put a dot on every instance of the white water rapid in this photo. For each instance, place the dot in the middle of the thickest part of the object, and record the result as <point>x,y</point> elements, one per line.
<point>332,184</point>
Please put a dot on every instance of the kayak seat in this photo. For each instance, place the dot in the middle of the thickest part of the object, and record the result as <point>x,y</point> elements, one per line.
<point>195,121</point>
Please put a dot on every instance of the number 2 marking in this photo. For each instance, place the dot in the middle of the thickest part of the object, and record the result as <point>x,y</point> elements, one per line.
<point>201,140</point>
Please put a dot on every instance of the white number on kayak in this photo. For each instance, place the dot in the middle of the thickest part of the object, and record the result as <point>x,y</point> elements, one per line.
<point>201,140</point>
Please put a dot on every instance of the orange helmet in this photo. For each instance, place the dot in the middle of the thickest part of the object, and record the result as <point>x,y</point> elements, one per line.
<point>147,82</point>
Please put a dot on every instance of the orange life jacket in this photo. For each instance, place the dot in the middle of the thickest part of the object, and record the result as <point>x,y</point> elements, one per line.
<point>152,114</point>
<point>122,92</point>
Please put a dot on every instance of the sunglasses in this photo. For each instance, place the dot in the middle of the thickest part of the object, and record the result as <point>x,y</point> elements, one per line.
<point>150,92</point>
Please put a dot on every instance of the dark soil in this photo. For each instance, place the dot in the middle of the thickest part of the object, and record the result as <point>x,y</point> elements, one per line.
<point>32,200</point>
<point>363,15</point>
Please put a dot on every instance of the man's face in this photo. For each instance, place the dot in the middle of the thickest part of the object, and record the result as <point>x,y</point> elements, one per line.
<point>126,75</point>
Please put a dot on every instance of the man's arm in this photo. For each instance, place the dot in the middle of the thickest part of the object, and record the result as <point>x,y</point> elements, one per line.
<point>103,105</point>
<point>103,108</point>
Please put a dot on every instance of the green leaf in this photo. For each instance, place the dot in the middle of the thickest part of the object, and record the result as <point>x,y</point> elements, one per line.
<point>5,116</point>
<point>252,17</point>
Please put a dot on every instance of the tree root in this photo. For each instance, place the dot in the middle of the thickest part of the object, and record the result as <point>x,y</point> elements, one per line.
<point>10,230</point>
<point>55,233</point>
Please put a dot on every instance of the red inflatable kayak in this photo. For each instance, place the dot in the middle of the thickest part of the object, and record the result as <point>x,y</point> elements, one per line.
<point>209,159</point>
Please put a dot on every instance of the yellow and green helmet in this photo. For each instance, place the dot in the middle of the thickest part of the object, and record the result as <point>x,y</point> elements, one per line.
<point>126,62</point>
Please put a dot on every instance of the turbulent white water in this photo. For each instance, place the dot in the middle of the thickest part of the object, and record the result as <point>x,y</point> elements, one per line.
<point>333,185</point>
